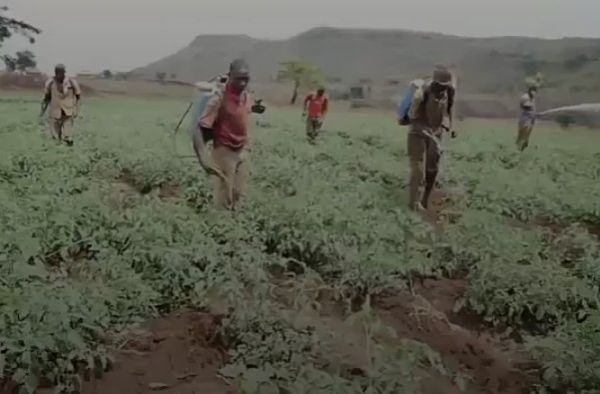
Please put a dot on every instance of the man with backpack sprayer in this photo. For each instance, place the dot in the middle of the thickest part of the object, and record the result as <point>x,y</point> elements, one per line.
<point>226,120</point>
<point>62,95</point>
<point>527,117</point>
<point>424,108</point>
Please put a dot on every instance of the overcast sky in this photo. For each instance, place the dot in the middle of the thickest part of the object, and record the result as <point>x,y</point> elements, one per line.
<point>123,34</point>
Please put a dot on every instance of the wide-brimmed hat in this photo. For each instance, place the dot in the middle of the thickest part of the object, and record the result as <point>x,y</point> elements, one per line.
<point>442,76</point>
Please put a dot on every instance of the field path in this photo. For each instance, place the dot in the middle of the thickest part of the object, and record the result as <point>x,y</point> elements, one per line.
<point>495,365</point>
<point>173,354</point>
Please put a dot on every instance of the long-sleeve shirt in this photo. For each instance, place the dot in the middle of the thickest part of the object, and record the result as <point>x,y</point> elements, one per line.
<point>63,97</point>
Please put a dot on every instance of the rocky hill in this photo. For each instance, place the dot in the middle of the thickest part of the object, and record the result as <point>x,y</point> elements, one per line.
<point>484,65</point>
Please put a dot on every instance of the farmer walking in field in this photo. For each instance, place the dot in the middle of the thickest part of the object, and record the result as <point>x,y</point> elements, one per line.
<point>259,109</point>
<point>62,95</point>
<point>527,118</point>
<point>316,105</point>
<point>431,102</point>
<point>226,120</point>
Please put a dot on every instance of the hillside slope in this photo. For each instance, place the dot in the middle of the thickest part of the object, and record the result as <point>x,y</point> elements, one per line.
<point>485,65</point>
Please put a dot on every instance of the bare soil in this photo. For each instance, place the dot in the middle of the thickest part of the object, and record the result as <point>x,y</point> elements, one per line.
<point>179,354</point>
<point>17,81</point>
<point>440,211</point>
<point>347,345</point>
<point>593,227</point>
<point>437,204</point>
<point>495,365</point>
<point>170,192</point>
<point>492,362</point>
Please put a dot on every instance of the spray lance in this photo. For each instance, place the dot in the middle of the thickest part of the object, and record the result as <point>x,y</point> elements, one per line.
<point>206,89</point>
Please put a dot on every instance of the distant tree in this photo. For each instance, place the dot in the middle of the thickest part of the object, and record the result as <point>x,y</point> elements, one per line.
<point>10,63</point>
<point>565,121</point>
<point>357,92</point>
<point>10,27</point>
<point>535,80</point>
<point>173,76</point>
<point>577,62</point>
<point>577,89</point>
<point>107,74</point>
<point>531,65</point>
<point>160,76</point>
<point>302,74</point>
<point>25,60</point>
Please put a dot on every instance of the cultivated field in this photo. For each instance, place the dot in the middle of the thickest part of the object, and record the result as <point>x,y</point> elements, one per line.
<point>117,276</point>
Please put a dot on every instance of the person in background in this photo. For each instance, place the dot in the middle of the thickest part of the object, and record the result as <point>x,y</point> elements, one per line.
<point>432,103</point>
<point>259,109</point>
<point>62,94</point>
<point>316,106</point>
<point>527,118</point>
<point>226,118</point>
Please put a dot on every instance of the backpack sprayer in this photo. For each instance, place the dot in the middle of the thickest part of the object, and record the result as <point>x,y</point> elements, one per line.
<point>416,91</point>
<point>207,90</point>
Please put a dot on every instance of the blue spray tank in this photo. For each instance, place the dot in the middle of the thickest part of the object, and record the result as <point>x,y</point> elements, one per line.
<point>405,104</point>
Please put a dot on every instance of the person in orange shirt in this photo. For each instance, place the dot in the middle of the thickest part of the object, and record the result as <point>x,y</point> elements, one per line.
<point>315,109</point>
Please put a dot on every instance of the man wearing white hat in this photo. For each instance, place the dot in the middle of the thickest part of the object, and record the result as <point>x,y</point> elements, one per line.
<point>431,104</point>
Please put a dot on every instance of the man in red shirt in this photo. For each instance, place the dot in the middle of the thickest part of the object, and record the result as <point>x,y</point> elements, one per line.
<point>316,104</point>
<point>227,117</point>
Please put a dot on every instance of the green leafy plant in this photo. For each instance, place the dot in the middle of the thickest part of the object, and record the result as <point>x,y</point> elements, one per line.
<point>301,73</point>
<point>118,230</point>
